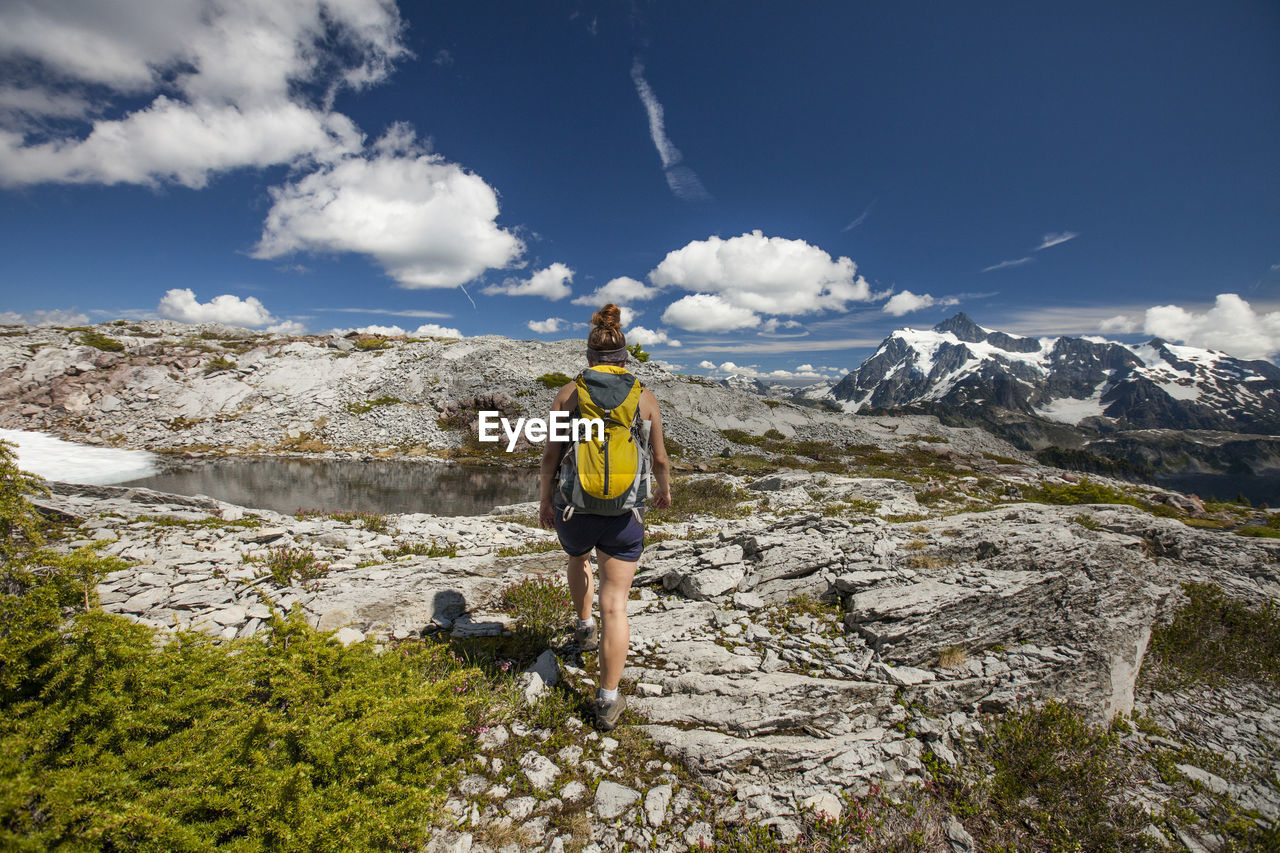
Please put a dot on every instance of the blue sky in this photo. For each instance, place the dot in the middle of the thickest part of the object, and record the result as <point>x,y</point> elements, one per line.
<point>776,188</point>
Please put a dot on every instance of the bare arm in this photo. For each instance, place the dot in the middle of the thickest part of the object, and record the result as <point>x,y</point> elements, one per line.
<point>566,399</point>
<point>661,465</point>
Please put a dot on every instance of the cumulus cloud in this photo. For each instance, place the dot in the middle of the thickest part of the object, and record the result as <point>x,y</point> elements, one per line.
<point>619,291</point>
<point>221,85</point>
<point>904,302</point>
<point>181,304</point>
<point>287,327</point>
<point>708,312</point>
<point>427,330</point>
<point>648,337</point>
<point>680,178</point>
<point>435,330</point>
<point>54,317</point>
<point>547,326</point>
<point>1004,265</point>
<point>550,283</point>
<point>1231,325</point>
<point>803,372</point>
<point>754,273</point>
<point>1050,240</point>
<point>426,221</point>
<point>1120,324</point>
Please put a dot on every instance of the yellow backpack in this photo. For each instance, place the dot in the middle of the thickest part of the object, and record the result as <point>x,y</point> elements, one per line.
<point>609,476</point>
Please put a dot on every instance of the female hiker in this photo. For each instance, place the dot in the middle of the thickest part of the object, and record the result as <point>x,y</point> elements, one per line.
<point>594,490</point>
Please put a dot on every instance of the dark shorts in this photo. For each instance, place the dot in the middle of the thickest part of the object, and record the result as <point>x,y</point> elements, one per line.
<point>620,536</point>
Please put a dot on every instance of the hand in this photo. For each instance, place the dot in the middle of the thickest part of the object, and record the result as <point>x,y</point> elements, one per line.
<point>661,498</point>
<point>547,515</point>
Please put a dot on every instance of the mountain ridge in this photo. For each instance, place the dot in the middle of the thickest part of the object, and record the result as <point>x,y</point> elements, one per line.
<point>1086,382</point>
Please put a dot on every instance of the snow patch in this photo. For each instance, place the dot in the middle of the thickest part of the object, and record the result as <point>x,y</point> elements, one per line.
<point>69,462</point>
<point>1070,410</point>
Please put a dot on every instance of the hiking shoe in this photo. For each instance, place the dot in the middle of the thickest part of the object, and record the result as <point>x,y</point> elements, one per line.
<point>608,713</point>
<point>588,638</point>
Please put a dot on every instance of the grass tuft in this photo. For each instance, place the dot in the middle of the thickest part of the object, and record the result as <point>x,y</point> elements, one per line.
<point>97,340</point>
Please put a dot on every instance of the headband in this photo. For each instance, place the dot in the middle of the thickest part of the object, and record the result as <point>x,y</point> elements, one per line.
<point>606,354</point>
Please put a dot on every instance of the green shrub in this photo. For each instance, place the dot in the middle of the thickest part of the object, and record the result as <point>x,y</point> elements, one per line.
<point>372,344</point>
<point>295,743</point>
<point>542,608</point>
<point>420,549</point>
<point>1084,492</point>
<point>218,363</point>
<point>1058,776</point>
<point>554,381</point>
<point>21,527</point>
<point>97,340</point>
<point>374,522</point>
<point>288,564</point>
<point>705,496</point>
<point>1213,639</point>
<point>638,353</point>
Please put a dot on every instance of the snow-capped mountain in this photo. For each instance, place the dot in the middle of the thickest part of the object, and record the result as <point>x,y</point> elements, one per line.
<point>1081,381</point>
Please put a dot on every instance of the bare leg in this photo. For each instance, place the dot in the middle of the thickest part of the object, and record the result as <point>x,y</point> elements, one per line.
<point>581,585</point>
<point>615,587</point>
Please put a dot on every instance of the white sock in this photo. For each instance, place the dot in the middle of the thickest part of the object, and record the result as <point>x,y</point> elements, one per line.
<point>587,623</point>
<point>606,695</point>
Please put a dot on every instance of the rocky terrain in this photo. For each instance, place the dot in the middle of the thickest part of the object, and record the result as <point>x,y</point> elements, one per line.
<point>213,389</point>
<point>850,605</point>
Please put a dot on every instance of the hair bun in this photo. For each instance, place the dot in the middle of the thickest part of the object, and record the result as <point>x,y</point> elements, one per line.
<point>608,317</point>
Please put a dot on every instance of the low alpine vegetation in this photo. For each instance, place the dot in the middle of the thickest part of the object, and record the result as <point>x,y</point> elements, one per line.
<point>1214,639</point>
<point>288,565</point>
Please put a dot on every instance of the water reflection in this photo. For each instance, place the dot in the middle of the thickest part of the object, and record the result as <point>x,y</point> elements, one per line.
<point>286,485</point>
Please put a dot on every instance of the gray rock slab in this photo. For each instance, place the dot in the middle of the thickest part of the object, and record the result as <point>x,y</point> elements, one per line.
<point>613,799</point>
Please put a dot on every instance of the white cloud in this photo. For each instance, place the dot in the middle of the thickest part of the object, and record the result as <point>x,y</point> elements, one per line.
<point>754,273</point>
<point>287,327</point>
<point>904,302</point>
<point>708,312</point>
<point>428,330</point>
<point>171,141</point>
<point>550,283</point>
<point>680,178</point>
<point>223,85</point>
<point>547,326</point>
<point>1050,240</point>
<point>54,317</point>
<point>648,337</point>
<point>803,372</point>
<point>181,304</point>
<point>1231,325</point>
<point>434,330</point>
<point>427,222</point>
<point>1004,265</point>
<point>772,325</point>
<point>1120,324</point>
<point>619,291</point>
